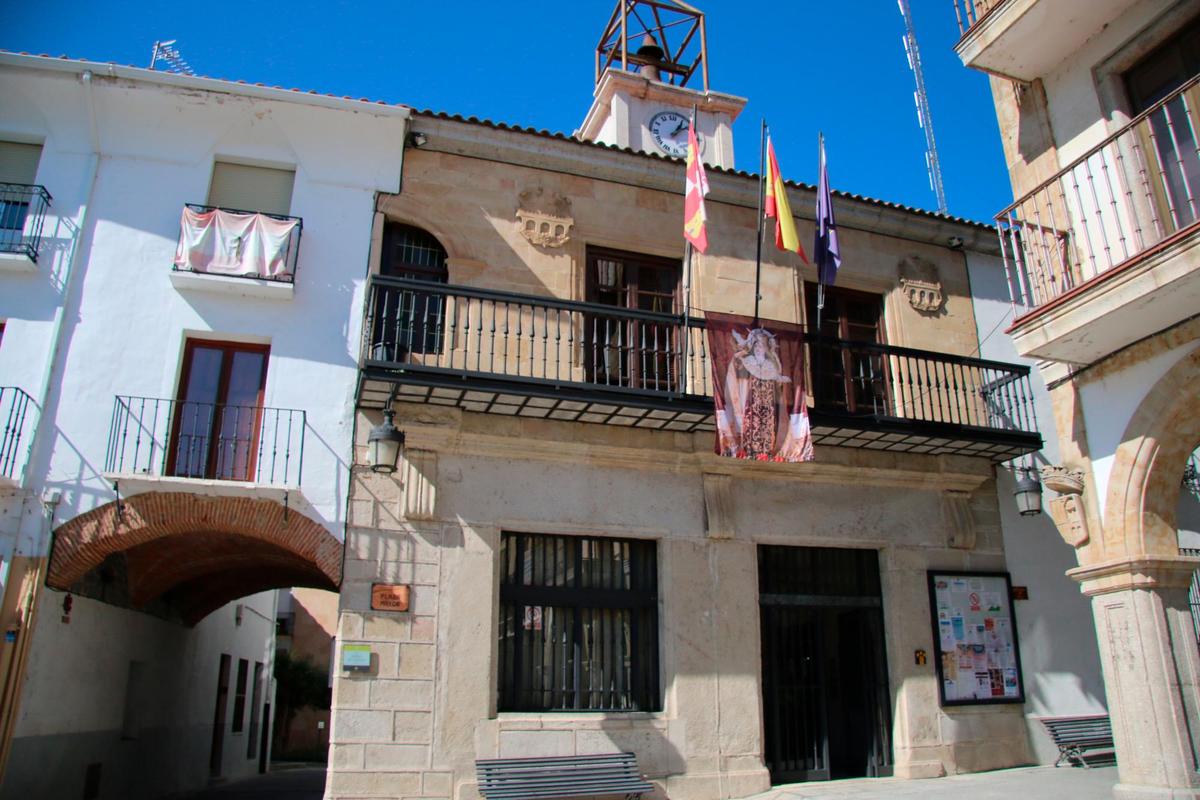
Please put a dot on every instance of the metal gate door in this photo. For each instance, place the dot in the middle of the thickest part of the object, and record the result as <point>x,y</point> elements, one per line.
<point>826,703</point>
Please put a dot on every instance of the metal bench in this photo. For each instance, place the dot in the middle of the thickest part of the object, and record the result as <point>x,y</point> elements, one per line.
<point>1076,735</point>
<point>561,776</point>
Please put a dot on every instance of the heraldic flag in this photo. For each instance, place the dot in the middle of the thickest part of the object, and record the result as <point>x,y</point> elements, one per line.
<point>777,207</point>
<point>694,217</point>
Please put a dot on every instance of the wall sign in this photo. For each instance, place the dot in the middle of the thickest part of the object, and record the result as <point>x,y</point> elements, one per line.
<point>356,657</point>
<point>975,638</point>
<point>389,597</point>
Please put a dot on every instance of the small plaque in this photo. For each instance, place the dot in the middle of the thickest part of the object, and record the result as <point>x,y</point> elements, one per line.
<point>356,657</point>
<point>1020,593</point>
<point>389,597</point>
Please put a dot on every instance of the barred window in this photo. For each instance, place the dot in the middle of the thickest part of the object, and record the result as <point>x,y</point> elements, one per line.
<point>578,624</point>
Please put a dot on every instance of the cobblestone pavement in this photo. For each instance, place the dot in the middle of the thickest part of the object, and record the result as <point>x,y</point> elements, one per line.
<point>1025,783</point>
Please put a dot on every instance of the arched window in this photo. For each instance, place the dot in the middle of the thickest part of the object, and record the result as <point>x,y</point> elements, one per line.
<point>407,319</point>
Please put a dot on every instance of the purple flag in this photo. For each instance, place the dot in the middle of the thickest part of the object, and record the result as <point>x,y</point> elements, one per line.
<point>826,252</point>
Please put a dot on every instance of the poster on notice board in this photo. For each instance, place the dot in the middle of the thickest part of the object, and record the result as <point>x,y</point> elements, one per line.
<point>975,638</point>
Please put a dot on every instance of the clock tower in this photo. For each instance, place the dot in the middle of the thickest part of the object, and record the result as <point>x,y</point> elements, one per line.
<point>643,99</point>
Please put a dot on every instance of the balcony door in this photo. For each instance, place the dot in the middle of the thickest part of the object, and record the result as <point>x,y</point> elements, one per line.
<point>18,171</point>
<point>218,411</point>
<point>846,378</point>
<point>409,321</point>
<point>625,349</point>
<point>1173,126</point>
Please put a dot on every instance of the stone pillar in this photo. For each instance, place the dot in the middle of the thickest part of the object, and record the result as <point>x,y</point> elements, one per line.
<point>1151,672</point>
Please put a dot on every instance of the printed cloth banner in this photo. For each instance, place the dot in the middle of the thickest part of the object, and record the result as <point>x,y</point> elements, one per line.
<point>758,389</point>
<point>228,243</point>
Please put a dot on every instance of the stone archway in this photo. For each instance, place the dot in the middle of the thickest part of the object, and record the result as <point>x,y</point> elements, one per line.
<point>207,550</point>
<point>1143,486</point>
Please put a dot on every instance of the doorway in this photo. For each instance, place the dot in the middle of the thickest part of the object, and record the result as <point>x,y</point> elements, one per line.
<point>826,701</point>
<point>216,756</point>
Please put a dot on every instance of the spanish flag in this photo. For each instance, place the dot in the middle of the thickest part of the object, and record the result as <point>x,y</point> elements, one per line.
<point>696,185</point>
<point>777,208</point>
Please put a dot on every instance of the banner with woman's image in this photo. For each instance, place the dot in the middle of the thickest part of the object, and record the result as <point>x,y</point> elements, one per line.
<point>758,389</point>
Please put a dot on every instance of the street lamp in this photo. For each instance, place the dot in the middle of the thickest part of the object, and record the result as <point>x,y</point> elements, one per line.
<point>384,443</point>
<point>1028,493</point>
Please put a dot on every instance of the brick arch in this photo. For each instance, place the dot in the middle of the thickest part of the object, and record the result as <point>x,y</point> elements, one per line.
<point>1143,486</point>
<point>176,539</point>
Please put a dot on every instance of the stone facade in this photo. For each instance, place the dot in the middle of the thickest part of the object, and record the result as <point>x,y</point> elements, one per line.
<point>413,724</point>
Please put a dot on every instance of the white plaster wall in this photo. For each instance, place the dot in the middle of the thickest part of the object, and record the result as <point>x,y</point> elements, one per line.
<point>1059,655</point>
<point>126,324</point>
<point>1111,401</point>
<point>74,709</point>
<point>1076,113</point>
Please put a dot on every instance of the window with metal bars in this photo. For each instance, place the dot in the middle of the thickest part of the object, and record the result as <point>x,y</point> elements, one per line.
<point>578,624</point>
<point>410,321</point>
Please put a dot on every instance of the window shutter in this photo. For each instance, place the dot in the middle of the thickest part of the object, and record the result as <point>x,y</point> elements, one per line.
<point>251,188</point>
<point>19,162</point>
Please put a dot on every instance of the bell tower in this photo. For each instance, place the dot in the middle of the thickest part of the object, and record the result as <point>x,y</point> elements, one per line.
<point>651,69</point>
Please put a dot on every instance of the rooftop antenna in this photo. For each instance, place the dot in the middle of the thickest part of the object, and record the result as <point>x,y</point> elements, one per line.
<point>661,39</point>
<point>924,118</point>
<point>166,53</point>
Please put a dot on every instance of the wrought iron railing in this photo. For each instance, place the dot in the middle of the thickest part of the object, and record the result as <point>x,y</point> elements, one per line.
<point>435,328</point>
<point>184,439</point>
<point>1136,189</point>
<point>289,256</point>
<point>17,418</point>
<point>22,218</point>
<point>969,12</point>
<point>1194,591</point>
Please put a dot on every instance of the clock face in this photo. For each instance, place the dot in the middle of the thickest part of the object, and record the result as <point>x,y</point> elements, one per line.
<point>669,130</point>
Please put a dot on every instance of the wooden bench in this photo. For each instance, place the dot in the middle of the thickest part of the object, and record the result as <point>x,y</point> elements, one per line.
<point>560,776</point>
<point>1076,735</point>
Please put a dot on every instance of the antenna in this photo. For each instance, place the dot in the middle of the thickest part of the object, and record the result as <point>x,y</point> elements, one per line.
<point>166,53</point>
<point>924,118</point>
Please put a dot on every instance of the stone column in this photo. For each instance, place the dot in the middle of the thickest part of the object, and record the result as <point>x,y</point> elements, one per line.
<point>1151,672</point>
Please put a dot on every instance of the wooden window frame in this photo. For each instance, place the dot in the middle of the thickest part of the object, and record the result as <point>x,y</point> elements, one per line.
<point>185,375</point>
<point>846,399</point>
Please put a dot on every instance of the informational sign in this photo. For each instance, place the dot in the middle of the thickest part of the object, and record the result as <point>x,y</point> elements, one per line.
<point>356,657</point>
<point>389,597</point>
<point>975,638</point>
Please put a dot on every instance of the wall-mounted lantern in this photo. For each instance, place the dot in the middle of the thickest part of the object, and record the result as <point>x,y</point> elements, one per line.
<point>384,443</point>
<point>1028,493</point>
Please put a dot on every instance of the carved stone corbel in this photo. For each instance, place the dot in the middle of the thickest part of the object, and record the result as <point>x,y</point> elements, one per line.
<point>960,524</point>
<point>718,505</point>
<point>420,484</point>
<point>1067,510</point>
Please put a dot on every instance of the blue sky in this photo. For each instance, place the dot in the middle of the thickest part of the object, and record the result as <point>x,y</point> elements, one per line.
<point>806,66</point>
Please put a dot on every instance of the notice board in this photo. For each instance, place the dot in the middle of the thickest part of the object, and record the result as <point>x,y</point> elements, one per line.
<point>977,659</point>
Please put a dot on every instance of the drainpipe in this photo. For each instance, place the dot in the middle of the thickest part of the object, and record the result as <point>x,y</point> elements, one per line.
<point>21,602</point>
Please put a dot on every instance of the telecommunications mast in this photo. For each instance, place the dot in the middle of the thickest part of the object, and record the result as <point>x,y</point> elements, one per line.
<point>924,118</point>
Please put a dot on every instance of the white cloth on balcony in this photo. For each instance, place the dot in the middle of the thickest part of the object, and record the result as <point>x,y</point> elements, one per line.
<point>230,243</point>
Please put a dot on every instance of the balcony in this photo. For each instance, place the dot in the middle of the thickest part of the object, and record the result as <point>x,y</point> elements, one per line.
<point>158,438</point>
<point>22,217</point>
<point>1105,252</point>
<point>1026,39</point>
<point>231,251</point>
<point>17,418</point>
<point>541,357</point>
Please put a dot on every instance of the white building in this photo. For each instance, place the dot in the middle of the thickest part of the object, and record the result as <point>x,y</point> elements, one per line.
<point>1097,105</point>
<point>187,435</point>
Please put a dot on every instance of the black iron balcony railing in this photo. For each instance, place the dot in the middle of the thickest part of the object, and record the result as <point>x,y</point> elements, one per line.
<point>1138,188</point>
<point>16,417</point>
<point>481,349</point>
<point>185,439</point>
<point>258,246</point>
<point>22,218</point>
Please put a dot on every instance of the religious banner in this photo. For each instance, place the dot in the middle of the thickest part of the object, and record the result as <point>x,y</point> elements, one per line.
<point>758,389</point>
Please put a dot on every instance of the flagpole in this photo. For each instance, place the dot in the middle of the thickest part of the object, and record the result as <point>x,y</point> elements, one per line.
<point>820,276</point>
<point>762,147</point>
<point>687,294</point>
